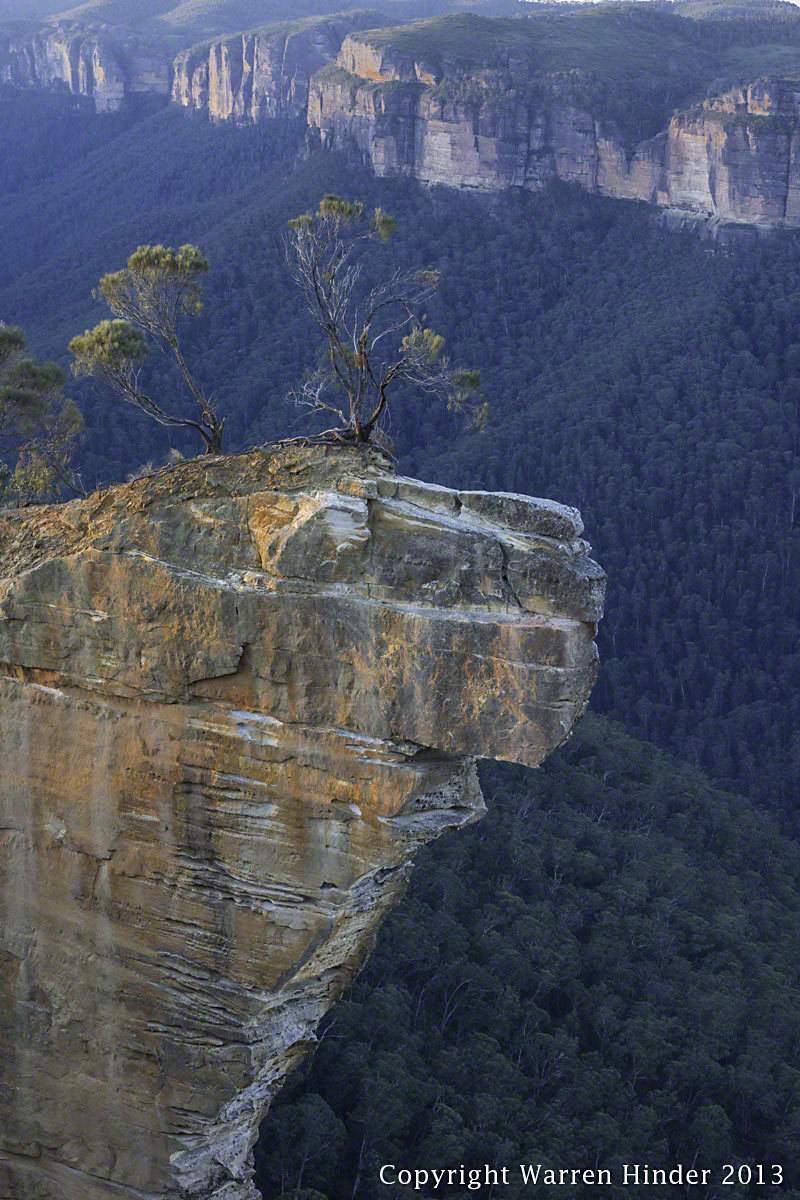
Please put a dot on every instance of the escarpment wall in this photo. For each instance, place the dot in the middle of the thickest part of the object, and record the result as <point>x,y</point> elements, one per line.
<point>99,67</point>
<point>265,73</point>
<point>234,700</point>
<point>84,65</point>
<point>467,123</point>
<point>247,76</point>
<point>733,158</point>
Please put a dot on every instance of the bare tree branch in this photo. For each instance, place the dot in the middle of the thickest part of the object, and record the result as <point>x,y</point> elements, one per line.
<point>324,252</point>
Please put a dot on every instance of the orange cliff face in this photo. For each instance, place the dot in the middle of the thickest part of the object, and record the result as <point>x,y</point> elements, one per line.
<point>735,158</point>
<point>235,698</point>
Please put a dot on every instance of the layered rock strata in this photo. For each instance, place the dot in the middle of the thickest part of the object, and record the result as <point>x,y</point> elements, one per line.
<point>234,700</point>
<point>265,73</point>
<point>248,76</point>
<point>486,125</point>
<point>85,65</point>
<point>101,67</point>
<point>733,158</point>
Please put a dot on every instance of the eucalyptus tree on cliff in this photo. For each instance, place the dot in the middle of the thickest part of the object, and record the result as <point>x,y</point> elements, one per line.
<point>373,335</point>
<point>148,298</point>
<point>38,426</point>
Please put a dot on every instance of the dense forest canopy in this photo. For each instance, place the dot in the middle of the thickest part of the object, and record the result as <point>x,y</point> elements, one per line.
<point>602,971</point>
<point>209,18</point>
<point>739,10</point>
<point>218,15</point>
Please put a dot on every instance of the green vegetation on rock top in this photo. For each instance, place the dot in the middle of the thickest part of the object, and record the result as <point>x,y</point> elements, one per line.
<point>768,59</point>
<point>631,64</point>
<point>751,10</point>
<point>644,377</point>
<point>288,29</point>
<point>607,38</point>
<point>212,18</point>
<point>627,932</point>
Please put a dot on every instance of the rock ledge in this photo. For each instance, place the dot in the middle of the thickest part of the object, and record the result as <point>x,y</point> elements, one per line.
<point>235,697</point>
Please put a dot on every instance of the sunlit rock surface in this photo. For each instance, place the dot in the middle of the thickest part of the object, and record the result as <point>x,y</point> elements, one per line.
<point>487,121</point>
<point>264,73</point>
<point>734,158</point>
<point>234,699</point>
<point>82,64</point>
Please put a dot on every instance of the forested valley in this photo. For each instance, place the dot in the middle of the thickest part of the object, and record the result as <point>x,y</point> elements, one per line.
<point>602,971</point>
<point>605,969</point>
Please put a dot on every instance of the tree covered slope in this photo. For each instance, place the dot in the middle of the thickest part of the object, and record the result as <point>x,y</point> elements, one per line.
<point>209,18</point>
<point>603,971</point>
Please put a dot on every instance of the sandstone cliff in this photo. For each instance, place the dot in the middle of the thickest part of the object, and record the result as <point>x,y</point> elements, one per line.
<point>85,65</point>
<point>465,101</point>
<point>498,124</point>
<point>102,67</point>
<point>248,76</point>
<point>234,699</point>
<point>264,73</point>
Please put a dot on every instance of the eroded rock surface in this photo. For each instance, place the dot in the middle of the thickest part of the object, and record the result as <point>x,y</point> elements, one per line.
<point>103,67</point>
<point>234,699</point>
<point>487,118</point>
<point>252,76</point>
<point>263,73</point>
<point>733,158</point>
<point>83,65</point>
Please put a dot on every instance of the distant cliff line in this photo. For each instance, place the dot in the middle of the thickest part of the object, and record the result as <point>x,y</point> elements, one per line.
<point>249,76</point>
<point>733,158</point>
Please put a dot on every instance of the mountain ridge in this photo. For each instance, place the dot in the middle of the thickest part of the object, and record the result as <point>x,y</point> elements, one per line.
<point>631,103</point>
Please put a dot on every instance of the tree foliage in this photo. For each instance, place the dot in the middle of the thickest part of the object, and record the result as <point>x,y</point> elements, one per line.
<point>38,426</point>
<point>603,970</point>
<point>148,297</point>
<point>373,335</point>
<point>645,921</point>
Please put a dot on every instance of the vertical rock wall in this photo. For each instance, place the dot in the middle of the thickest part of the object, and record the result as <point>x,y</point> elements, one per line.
<point>265,73</point>
<point>84,65</point>
<point>734,158</point>
<point>234,700</point>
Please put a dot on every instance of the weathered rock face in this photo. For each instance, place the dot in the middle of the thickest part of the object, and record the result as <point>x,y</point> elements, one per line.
<point>101,68</point>
<point>83,64</point>
<point>264,73</point>
<point>485,124</point>
<point>737,156</point>
<point>234,699</point>
<point>734,158</point>
<point>248,76</point>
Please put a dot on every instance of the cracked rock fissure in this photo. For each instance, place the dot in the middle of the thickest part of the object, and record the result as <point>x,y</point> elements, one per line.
<point>235,697</point>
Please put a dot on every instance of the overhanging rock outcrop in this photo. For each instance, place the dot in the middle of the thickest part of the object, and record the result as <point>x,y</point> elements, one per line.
<point>235,697</point>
